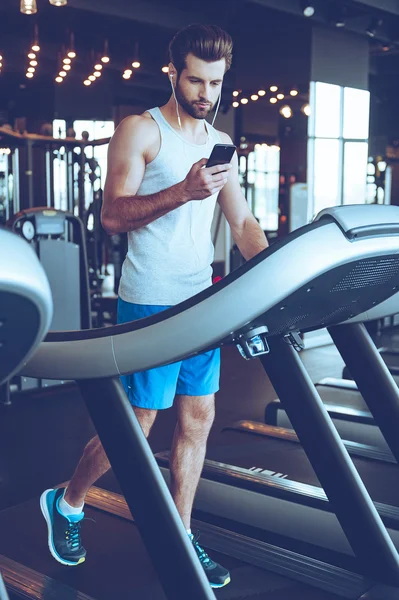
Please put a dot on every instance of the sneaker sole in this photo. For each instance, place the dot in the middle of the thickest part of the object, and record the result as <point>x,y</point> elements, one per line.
<point>46,515</point>
<point>220,585</point>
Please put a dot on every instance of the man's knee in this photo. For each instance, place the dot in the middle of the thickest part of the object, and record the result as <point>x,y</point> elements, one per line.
<point>146,418</point>
<point>196,415</point>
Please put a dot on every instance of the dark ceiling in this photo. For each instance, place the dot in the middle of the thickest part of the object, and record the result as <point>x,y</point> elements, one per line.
<point>151,23</point>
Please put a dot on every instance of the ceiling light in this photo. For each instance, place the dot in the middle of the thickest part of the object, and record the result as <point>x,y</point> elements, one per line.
<point>62,73</point>
<point>273,100</point>
<point>306,109</point>
<point>294,93</point>
<point>244,100</point>
<point>29,75</point>
<point>105,56</point>
<point>165,69</point>
<point>28,7</point>
<point>254,97</point>
<point>280,96</point>
<point>236,104</point>
<point>98,67</point>
<point>307,8</point>
<point>36,48</point>
<point>33,63</point>
<point>97,74</point>
<point>59,79</point>
<point>32,55</point>
<point>72,54</point>
<point>91,78</point>
<point>128,72</point>
<point>58,2</point>
<point>126,75</point>
<point>136,64</point>
<point>31,69</point>
<point>66,61</point>
<point>286,111</point>
<point>235,93</point>
<point>261,93</point>
<point>87,82</point>
<point>273,88</point>
<point>67,67</point>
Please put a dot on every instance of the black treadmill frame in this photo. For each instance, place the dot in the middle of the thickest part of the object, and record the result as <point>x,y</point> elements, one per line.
<point>145,490</point>
<point>373,378</point>
<point>345,490</point>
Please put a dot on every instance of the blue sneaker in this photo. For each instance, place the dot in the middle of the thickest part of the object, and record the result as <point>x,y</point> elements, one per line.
<point>217,575</point>
<point>63,532</point>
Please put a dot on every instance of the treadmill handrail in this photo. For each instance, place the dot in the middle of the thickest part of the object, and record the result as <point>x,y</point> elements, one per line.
<point>210,318</point>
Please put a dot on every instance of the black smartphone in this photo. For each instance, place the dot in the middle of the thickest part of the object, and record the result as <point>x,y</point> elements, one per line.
<point>221,154</point>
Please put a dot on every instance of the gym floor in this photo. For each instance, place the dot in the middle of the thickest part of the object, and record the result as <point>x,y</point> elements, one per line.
<point>42,437</point>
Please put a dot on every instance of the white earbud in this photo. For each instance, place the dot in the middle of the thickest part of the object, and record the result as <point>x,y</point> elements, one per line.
<point>177,105</point>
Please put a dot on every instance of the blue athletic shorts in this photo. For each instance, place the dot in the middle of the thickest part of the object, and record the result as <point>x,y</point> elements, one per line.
<point>156,388</point>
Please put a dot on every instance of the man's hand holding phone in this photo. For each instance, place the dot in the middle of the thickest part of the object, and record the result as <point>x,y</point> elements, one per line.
<point>206,177</point>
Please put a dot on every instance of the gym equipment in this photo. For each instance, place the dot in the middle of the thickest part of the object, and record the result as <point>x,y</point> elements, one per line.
<point>25,310</point>
<point>264,321</point>
<point>25,303</point>
<point>347,409</point>
<point>58,239</point>
<point>391,358</point>
<point>342,398</point>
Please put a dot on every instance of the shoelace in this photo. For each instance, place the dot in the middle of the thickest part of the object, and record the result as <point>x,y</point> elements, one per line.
<point>202,555</point>
<point>72,535</point>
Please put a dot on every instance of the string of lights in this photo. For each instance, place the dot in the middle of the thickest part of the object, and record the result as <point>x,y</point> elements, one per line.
<point>96,73</point>
<point>33,56</point>
<point>104,59</point>
<point>242,98</point>
<point>67,61</point>
<point>136,64</point>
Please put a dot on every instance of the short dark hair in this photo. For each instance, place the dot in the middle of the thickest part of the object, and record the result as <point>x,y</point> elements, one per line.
<point>207,42</point>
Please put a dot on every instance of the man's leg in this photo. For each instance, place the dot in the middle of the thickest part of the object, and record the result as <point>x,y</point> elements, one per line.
<point>94,462</point>
<point>195,415</point>
<point>64,513</point>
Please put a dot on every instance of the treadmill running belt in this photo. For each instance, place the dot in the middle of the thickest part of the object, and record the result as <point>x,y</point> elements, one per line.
<point>342,397</point>
<point>118,566</point>
<point>288,460</point>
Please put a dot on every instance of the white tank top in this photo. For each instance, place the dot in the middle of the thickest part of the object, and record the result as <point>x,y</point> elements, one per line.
<point>170,259</point>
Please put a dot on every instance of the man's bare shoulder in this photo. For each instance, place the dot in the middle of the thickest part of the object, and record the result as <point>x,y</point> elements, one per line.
<point>139,130</point>
<point>224,137</point>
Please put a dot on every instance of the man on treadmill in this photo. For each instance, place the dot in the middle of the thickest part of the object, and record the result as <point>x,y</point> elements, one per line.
<point>160,192</point>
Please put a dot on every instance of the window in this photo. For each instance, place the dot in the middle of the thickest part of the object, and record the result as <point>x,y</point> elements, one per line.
<point>337,146</point>
<point>259,177</point>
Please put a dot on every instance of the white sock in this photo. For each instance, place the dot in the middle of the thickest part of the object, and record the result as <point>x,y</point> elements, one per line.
<point>66,509</point>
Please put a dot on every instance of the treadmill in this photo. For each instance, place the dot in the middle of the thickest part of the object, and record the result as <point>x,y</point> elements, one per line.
<point>342,398</point>
<point>261,307</point>
<point>25,314</point>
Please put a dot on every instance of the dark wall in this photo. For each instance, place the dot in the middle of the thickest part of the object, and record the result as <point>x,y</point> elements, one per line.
<point>340,58</point>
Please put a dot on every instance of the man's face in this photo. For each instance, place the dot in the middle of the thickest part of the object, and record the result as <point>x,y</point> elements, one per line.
<point>199,85</point>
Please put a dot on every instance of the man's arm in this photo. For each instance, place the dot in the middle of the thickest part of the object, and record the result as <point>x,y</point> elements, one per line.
<point>246,231</point>
<point>122,209</point>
